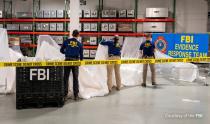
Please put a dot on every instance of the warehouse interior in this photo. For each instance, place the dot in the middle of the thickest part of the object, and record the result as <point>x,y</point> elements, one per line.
<point>35,30</point>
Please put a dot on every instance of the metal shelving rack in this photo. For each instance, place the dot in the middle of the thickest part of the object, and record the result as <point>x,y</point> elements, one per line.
<point>65,20</point>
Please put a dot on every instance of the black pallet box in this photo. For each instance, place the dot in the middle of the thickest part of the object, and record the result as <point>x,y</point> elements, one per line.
<point>38,87</point>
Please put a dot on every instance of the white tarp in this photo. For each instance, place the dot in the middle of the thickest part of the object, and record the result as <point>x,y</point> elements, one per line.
<point>92,79</point>
<point>8,75</point>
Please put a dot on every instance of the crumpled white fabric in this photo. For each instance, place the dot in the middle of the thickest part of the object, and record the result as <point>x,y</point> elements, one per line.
<point>92,79</point>
<point>8,75</point>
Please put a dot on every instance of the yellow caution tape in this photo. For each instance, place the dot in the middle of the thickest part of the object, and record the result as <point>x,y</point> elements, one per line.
<point>102,62</point>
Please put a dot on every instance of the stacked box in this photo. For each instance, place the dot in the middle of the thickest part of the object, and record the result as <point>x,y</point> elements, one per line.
<point>46,13</point>
<point>60,14</point>
<point>93,40</point>
<point>105,14</point>
<point>45,26</point>
<point>94,14</point>
<point>58,39</point>
<point>24,15</point>
<point>113,27</point>
<point>130,14</point>
<point>112,13</point>
<point>12,27</point>
<point>53,26</point>
<point>86,53</point>
<point>94,26</point>
<point>125,27</point>
<point>52,13</point>
<point>25,39</point>
<point>40,14</point>
<point>92,53</point>
<point>86,13</point>
<point>104,27</point>
<point>38,26</point>
<point>60,27</point>
<point>154,27</point>
<point>156,12</point>
<point>86,27</point>
<point>1,26</point>
<point>34,91</point>
<point>26,27</point>
<point>122,13</point>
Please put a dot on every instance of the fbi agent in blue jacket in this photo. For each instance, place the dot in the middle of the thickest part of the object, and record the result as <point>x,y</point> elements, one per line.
<point>114,52</point>
<point>73,51</point>
<point>147,50</point>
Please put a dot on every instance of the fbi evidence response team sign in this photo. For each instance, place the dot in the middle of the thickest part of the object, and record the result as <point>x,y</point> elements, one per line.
<point>182,45</point>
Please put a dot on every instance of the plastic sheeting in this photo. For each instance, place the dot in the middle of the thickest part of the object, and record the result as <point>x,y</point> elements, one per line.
<point>8,75</point>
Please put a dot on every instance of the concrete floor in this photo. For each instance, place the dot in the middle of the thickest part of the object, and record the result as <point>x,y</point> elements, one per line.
<point>167,104</point>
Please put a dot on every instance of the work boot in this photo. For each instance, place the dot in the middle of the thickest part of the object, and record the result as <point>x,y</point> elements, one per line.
<point>143,85</point>
<point>154,83</point>
<point>76,98</point>
<point>117,88</point>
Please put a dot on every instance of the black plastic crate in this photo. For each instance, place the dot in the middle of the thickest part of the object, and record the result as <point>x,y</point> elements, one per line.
<point>39,86</point>
<point>39,102</point>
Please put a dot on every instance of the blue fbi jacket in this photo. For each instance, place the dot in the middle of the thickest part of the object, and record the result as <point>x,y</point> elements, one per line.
<point>72,48</point>
<point>113,49</point>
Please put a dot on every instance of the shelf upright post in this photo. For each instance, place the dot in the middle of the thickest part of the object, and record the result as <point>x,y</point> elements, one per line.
<point>174,15</point>
<point>67,3</point>
<point>36,8</point>
<point>136,14</point>
<point>99,16</point>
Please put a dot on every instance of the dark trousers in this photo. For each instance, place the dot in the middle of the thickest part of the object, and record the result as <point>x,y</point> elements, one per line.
<point>75,72</point>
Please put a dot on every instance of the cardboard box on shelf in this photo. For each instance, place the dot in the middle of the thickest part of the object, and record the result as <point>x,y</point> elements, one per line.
<point>130,13</point>
<point>105,14</point>
<point>52,13</point>
<point>86,27</point>
<point>93,40</point>
<point>60,27</point>
<point>25,39</point>
<point>26,27</point>
<point>1,26</point>
<point>46,13</point>
<point>58,39</point>
<point>92,53</point>
<point>38,26</point>
<point>104,27</point>
<point>112,13</point>
<point>14,41</point>
<point>40,14</point>
<point>123,13</point>
<point>86,53</point>
<point>125,27</point>
<point>24,14</point>
<point>87,13</point>
<point>94,13</point>
<point>113,27</point>
<point>53,26</point>
<point>45,26</point>
<point>94,26</point>
<point>13,27</point>
<point>60,14</point>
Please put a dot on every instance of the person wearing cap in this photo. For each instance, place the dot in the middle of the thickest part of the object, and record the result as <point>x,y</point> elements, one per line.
<point>114,53</point>
<point>73,51</point>
<point>147,50</point>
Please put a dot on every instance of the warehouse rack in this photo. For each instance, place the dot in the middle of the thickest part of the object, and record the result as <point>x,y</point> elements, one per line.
<point>66,20</point>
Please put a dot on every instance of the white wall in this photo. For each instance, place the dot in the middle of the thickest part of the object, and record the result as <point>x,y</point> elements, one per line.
<point>191,16</point>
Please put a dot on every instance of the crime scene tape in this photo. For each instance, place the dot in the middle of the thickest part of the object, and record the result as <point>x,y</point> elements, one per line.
<point>103,62</point>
